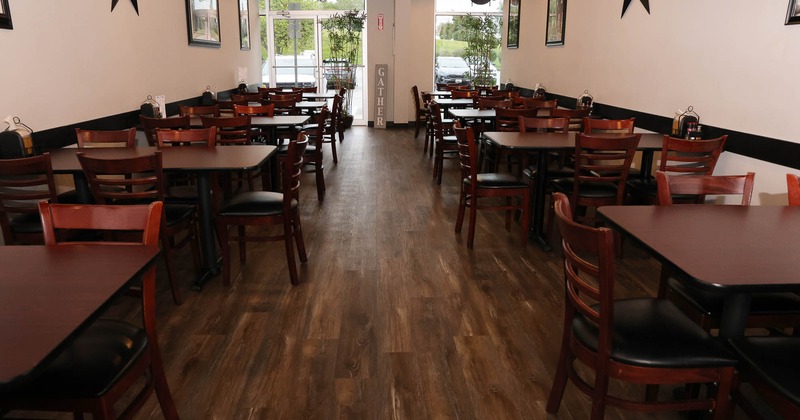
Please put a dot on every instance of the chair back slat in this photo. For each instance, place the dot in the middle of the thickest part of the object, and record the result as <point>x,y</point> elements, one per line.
<point>598,126</point>
<point>199,111</point>
<point>197,136</point>
<point>698,157</point>
<point>575,116</point>
<point>702,185</point>
<point>254,110</point>
<point>230,130</point>
<point>131,180</point>
<point>60,217</point>
<point>24,182</point>
<point>150,125</point>
<point>542,125</point>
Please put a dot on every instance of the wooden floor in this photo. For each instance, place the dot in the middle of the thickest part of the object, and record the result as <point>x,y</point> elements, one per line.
<point>394,318</point>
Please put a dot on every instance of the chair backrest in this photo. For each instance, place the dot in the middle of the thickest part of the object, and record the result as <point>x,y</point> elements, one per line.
<point>335,115</point>
<point>226,107</point>
<point>455,86</point>
<point>693,157</point>
<point>198,136</point>
<point>603,159</point>
<point>463,94</point>
<point>793,187</point>
<point>596,126</point>
<point>230,130</point>
<point>415,94</point>
<point>304,89</point>
<point>133,180</point>
<point>108,218</point>
<point>575,116</point>
<point>151,124</point>
<point>106,138</point>
<point>542,125</point>
<point>507,119</point>
<point>293,168</point>
<point>589,271</point>
<point>702,185</point>
<point>484,103</point>
<point>439,129</point>
<point>318,133</point>
<point>504,93</point>
<point>467,152</point>
<point>197,111</point>
<point>254,111</point>
<point>539,103</point>
<point>24,183</point>
<point>285,106</point>
<point>249,96</point>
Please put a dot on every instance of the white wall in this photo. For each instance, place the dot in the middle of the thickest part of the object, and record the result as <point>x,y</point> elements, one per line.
<point>71,61</point>
<point>733,60</point>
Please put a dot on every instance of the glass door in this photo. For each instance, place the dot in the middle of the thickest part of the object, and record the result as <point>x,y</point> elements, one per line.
<point>298,54</point>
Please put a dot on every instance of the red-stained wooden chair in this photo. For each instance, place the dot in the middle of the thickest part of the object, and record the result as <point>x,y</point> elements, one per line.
<point>476,186</point>
<point>644,341</point>
<point>106,138</point>
<point>793,187</point>
<point>24,183</point>
<point>111,357</point>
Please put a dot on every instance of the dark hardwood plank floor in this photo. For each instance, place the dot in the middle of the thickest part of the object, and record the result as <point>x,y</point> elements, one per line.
<point>394,318</point>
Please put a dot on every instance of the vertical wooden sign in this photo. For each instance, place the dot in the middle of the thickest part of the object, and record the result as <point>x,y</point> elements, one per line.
<point>381,82</point>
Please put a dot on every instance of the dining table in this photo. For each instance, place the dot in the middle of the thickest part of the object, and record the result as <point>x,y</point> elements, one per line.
<point>448,103</point>
<point>318,95</point>
<point>198,160</point>
<point>732,250</point>
<point>49,294</point>
<point>440,93</point>
<point>543,143</point>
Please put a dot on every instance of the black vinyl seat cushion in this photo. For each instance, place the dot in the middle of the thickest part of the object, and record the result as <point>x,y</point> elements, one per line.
<point>655,333</point>
<point>587,189</point>
<point>710,303</point>
<point>26,223</point>
<point>496,180</point>
<point>284,149</point>
<point>254,203</point>
<point>91,364</point>
<point>175,212</point>
<point>774,360</point>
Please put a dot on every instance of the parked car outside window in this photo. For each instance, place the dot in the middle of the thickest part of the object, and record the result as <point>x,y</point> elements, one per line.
<point>451,70</point>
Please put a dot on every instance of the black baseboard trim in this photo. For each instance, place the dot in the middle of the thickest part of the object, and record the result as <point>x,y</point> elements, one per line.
<point>779,152</point>
<point>54,138</point>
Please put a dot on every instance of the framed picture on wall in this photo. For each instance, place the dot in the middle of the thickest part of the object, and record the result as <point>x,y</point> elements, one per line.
<point>202,22</point>
<point>244,25</point>
<point>5,15</point>
<point>793,14</point>
<point>512,40</point>
<point>556,22</point>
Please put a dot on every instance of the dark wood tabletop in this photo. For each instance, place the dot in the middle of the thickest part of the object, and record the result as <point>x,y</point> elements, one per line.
<point>195,158</point>
<point>514,140</point>
<point>736,250</point>
<point>48,294</point>
<point>556,141</point>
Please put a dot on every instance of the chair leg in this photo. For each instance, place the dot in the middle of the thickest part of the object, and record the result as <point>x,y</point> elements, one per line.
<point>416,127</point>
<point>508,214</point>
<point>473,213</point>
<point>333,149</point>
<point>462,205</point>
<point>320,181</point>
<point>242,230</point>
<point>166,248</point>
<point>288,243</point>
<point>723,403</point>
<point>162,387</point>
<point>225,245</point>
<point>600,391</point>
<point>560,378</point>
<point>663,283</point>
<point>525,218</point>
<point>298,236</point>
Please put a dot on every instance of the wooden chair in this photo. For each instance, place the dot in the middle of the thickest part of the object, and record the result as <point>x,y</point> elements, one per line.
<point>639,340</point>
<point>313,153</point>
<point>304,89</point>
<point>332,127</point>
<point>507,119</point>
<point>445,143</point>
<point>150,125</point>
<point>249,96</point>
<point>485,103</point>
<point>420,118</point>
<point>464,94</point>
<point>475,186</point>
<point>199,111</point>
<point>700,185</point>
<point>226,107</point>
<point>24,182</point>
<point>235,131</point>
<point>575,116</point>
<point>602,165</point>
<point>102,363</point>
<point>598,126</point>
<point>106,138</point>
<point>140,180</point>
<point>793,187</point>
<point>767,310</point>
<point>678,157</point>
<point>197,136</point>
<point>265,208</point>
<point>544,107</point>
<point>258,135</point>
<point>771,366</point>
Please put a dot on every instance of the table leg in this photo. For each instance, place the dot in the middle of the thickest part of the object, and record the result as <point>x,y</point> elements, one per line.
<point>537,225</point>
<point>207,233</point>
<point>734,315</point>
<point>82,190</point>
<point>647,164</point>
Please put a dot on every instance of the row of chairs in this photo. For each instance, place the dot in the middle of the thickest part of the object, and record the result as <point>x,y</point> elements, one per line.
<point>109,358</point>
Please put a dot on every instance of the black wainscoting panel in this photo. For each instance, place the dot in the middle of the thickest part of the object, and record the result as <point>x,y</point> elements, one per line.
<point>55,138</point>
<point>779,152</point>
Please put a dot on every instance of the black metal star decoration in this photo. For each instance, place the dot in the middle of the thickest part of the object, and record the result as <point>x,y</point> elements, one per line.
<point>625,4</point>
<point>136,5</point>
